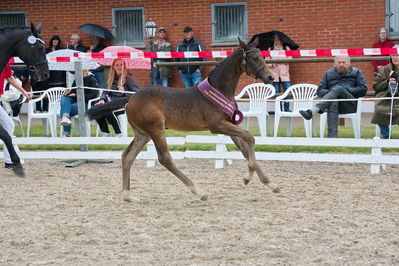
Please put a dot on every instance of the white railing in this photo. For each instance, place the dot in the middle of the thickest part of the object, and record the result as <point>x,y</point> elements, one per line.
<point>376,159</point>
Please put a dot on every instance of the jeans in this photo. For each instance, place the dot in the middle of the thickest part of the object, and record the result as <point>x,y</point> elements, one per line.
<point>157,81</point>
<point>286,85</point>
<point>100,78</point>
<point>69,106</point>
<point>192,79</point>
<point>384,130</point>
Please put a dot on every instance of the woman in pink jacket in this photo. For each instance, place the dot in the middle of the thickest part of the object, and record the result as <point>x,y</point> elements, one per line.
<point>281,72</point>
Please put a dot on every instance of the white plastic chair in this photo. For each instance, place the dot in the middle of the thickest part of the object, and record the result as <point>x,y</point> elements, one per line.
<point>54,95</point>
<point>355,117</point>
<point>301,94</point>
<point>258,93</point>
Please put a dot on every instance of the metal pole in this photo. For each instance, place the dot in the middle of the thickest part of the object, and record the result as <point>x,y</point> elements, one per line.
<point>392,89</point>
<point>152,59</point>
<point>81,103</point>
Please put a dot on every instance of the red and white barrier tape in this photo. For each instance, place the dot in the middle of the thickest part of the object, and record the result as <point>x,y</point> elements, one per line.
<point>223,54</point>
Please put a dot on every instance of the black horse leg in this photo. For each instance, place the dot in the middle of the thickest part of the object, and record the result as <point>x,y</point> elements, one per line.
<point>6,138</point>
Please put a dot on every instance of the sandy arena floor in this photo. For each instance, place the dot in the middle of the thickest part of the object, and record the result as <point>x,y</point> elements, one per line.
<point>330,214</point>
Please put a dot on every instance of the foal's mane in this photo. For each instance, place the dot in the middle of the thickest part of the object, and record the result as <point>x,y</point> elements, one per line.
<point>224,62</point>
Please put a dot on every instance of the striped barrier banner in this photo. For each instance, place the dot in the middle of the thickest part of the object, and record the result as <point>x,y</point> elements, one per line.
<point>223,54</point>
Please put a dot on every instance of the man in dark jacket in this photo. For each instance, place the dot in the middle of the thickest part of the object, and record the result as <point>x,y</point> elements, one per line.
<point>191,75</point>
<point>340,82</point>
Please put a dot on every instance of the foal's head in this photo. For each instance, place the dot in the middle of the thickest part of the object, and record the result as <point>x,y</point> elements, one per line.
<point>253,62</point>
<point>31,50</point>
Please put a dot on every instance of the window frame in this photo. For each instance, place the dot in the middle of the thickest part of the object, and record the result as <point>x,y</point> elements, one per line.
<point>15,13</point>
<point>227,42</point>
<point>394,35</point>
<point>140,44</point>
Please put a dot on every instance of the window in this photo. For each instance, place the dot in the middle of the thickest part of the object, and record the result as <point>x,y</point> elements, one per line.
<point>12,19</point>
<point>392,17</point>
<point>128,24</point>
<point>229,21</point>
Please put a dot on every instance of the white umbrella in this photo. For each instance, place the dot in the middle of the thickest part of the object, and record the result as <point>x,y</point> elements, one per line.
<point>69,66</point>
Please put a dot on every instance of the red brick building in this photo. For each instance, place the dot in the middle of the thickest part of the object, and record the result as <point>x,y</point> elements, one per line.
<point>320,24</point>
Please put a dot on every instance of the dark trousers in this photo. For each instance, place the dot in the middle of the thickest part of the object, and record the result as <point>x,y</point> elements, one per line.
<point>335,108</point>
<point>113,120</point>
<point>6,138</point>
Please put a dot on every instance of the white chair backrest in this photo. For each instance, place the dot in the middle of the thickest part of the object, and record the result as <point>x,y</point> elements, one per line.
<point>54,96</point>
<point>301,92</point>
<point>257,94</point>
<point>70,78</point>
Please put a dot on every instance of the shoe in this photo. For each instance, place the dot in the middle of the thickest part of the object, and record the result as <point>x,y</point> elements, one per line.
<point>119,135</point>
<point>17,168</point>
<point>9,166</point>
<point>65,121</point>
<point>307,114</point>
<point>105,134</point>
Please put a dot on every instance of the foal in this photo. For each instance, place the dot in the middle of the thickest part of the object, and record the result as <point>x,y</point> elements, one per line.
<point>155,108</point>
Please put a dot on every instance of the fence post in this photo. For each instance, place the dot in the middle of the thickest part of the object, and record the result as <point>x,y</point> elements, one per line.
<point>376,152</point>
<point>151,150</point>
<point>221,147</point>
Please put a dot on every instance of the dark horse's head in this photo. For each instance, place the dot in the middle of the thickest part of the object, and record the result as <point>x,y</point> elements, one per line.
<point>253,62</point>
<point>31,50</point>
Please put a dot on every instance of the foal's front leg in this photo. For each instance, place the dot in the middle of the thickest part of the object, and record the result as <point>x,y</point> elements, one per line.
<point>245,142</point>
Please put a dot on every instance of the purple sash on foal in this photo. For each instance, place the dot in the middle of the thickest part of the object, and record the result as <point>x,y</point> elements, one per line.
<point>220,101</point>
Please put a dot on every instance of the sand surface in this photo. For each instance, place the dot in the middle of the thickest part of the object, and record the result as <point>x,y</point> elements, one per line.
<point>329,214</point>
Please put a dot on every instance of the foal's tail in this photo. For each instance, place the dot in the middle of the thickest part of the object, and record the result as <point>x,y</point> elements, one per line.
<point>101,110</point>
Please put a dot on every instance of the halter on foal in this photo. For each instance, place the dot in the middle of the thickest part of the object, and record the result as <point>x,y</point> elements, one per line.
<point>155,108</point>
<point>26,43</point>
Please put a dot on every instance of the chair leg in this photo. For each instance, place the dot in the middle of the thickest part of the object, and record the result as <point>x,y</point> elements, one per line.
<point>356,128</point>
<point>28,129</point>
<point>377,131</point>
<point>323,120</point>
<point>20,125</point>
<point>269,125</point>
<point>308,127</point>
<point>123,122</point>
<point>288,126</point>
<point>245,123</point>
<point>276,122</point>
<point>262,125</point>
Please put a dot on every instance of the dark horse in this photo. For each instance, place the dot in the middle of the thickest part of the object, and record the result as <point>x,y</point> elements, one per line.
<point>27,44</point>
<point>155,108</point>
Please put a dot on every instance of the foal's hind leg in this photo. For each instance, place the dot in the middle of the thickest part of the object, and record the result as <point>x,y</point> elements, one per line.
<point>166,160</point>
<point>244,148</point>
<point>245,142</point>
<point>128,157</point>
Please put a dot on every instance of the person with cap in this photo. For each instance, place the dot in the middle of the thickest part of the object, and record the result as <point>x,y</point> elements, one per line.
<point>386,77</point>
<point>160,75</point>
<point>191,75</point>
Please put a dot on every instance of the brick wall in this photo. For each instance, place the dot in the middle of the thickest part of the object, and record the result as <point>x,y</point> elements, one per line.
<point>312,24</point>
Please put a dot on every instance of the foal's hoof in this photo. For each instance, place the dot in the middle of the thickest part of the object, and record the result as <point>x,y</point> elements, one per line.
<point>129,198</point>
<point>205,197</point>
<point>277,190</point>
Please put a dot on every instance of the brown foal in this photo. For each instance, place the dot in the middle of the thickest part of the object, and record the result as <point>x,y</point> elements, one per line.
<point>155,108</point>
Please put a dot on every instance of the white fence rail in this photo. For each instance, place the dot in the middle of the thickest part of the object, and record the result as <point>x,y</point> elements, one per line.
<point>376,159</point>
